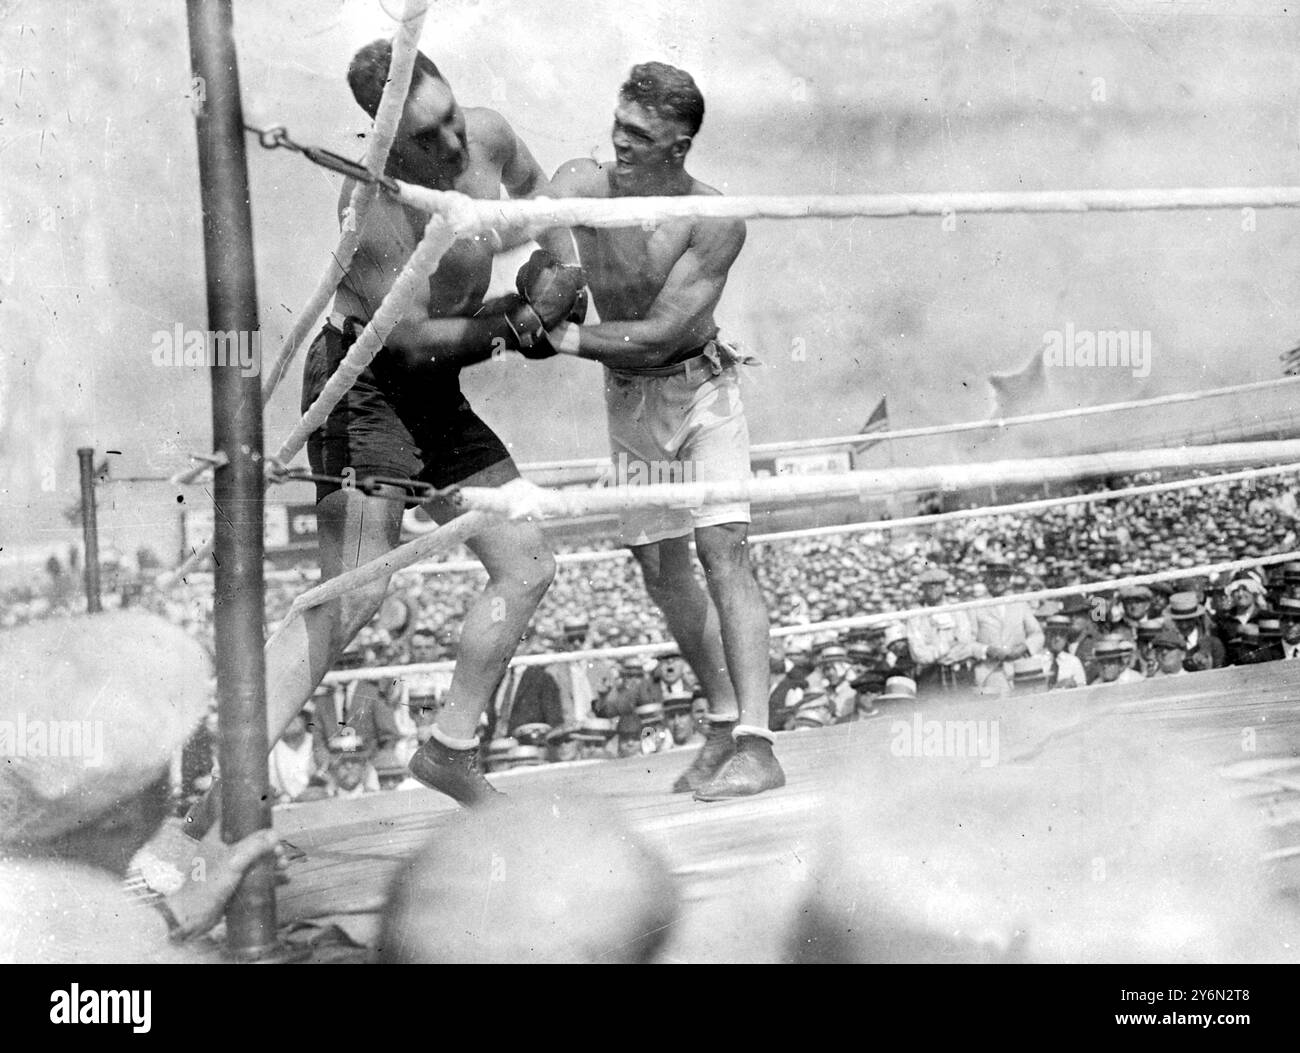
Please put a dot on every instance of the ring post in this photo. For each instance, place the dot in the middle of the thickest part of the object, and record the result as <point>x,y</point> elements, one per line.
<point>236,431</point>
<point>89,527</point>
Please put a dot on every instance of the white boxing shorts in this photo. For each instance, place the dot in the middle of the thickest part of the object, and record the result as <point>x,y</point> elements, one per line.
<point>688,426</point>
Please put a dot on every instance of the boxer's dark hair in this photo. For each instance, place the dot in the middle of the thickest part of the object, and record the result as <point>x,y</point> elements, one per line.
<point>368,73</point>
<point>666,91</point>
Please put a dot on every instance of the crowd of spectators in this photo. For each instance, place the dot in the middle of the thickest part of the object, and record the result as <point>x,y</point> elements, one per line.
<point>591,709</point>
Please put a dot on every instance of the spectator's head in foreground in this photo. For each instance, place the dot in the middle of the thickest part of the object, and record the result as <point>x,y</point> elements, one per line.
<point>565,881</point>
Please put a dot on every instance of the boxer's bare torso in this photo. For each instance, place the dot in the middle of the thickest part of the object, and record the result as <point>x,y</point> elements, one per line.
<point>628,267</point>
<point>392,231</point>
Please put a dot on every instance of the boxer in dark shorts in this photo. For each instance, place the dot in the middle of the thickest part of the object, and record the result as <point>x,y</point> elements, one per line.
<point>406,417</point>
<point>387,426</point>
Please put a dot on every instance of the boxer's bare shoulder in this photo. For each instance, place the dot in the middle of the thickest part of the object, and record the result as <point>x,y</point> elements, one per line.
<point>488,129</point>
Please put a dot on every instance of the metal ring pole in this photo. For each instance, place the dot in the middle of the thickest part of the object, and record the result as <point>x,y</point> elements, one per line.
<point>90,528</point>
<point>237,433</point>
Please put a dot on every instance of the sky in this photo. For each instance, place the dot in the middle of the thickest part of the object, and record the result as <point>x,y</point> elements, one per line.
<point>101,248</point>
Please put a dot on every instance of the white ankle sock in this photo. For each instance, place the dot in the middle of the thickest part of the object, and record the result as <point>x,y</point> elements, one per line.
<point>451,743</point>
<point>757,732</point>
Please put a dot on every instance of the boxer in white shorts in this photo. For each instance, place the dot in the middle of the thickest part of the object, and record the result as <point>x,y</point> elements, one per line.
<point>693,418</point>
<point>673,396</point>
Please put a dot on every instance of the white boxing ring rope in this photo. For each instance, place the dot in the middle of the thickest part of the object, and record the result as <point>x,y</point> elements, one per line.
<point>523,500</point>
<point>540,213</point>
<point>532,501</point>
<point>877,525</point>
<point>455,215</point>
<point>835,624</point>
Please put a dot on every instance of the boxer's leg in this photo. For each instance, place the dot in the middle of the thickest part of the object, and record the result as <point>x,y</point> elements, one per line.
<point>668,571</point>
<point>520,569</point>
<point>354,529</point>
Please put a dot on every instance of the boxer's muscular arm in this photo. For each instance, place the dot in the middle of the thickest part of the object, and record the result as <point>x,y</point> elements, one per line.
<point>423,343</point>
<point>688,296</point>
<point>577,178</point>
<point>521,175</point>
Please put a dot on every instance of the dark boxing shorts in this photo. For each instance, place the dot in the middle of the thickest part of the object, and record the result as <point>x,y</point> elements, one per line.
<point>393,424</point>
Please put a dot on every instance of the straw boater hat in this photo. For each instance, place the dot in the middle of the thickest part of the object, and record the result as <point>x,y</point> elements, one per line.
<point>524,756</point>
<point>83,728</point>
<point>1185,605</point>
<point>532,734</point>
<point>1288,608</point>
<point>1028,670</point>
<point>1270,627</point>
<point>1149,628</point>
<point>596,730</point>
<point>1112,647</point>
<point>898,689</point>
<point>678,704</point>
<point>653,712</point>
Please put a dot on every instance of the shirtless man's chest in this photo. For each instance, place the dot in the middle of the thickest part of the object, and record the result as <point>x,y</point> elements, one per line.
<point>457,287</point>
<point>627,266</point>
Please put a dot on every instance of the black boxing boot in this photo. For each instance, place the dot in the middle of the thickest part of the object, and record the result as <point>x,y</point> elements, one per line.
<point>454,772</point>
<point>751,769</point>
<point>716,751</point>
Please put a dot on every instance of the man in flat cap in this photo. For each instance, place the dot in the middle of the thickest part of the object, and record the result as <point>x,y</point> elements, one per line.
<point>1188,615</point>
<point>575,679</point>
<point>789,689</point>
<point>1288,612</point>
<point>1114,656</point>
<point>86,740</point>
<point>1003,632</point>
<point>1170,650</point>
<point>680,719</point>
<point>942,644</point>
<point>1135,601</point>
<point>833,672</point>
<point>1083,615</point>
<point>1062,669</point>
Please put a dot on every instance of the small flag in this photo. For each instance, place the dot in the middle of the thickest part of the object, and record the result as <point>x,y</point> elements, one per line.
<point>1291,361</point>
<point>877,421</point>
